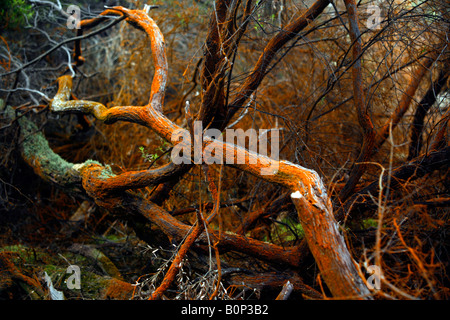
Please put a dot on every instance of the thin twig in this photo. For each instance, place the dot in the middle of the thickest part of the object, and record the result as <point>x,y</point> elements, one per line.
<point>37,59</point>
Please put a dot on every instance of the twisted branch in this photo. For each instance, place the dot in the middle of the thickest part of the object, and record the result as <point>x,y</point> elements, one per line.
<point>308,191</point>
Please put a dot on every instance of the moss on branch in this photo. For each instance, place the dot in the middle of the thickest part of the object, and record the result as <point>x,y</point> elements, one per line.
<point>39,155</point>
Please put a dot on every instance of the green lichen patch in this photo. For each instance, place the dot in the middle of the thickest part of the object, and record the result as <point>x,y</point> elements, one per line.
<point>104,174</point>
<point>37,152</point>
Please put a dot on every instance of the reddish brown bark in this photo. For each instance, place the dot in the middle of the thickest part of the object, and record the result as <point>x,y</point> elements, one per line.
<point>373,140</point>
<point>308,192</point>
<point>362,108</point>
<point>416,77</point>
<point>440,139</point>
<point>273,46</point>
<point>176,263</point>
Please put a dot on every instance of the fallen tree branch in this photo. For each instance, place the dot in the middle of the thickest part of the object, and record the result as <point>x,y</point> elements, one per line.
<point>307,190</point>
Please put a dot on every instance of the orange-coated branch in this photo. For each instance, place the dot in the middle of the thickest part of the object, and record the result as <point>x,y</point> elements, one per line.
<point>61,103</point>
<point>175,266</point>
<point>308,192</point>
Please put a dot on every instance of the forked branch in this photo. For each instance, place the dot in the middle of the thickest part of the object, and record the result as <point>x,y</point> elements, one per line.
<point>307,189</point>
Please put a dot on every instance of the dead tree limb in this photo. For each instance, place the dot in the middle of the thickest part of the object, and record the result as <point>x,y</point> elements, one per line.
<point>308,192</point>
<point>362,108</point>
